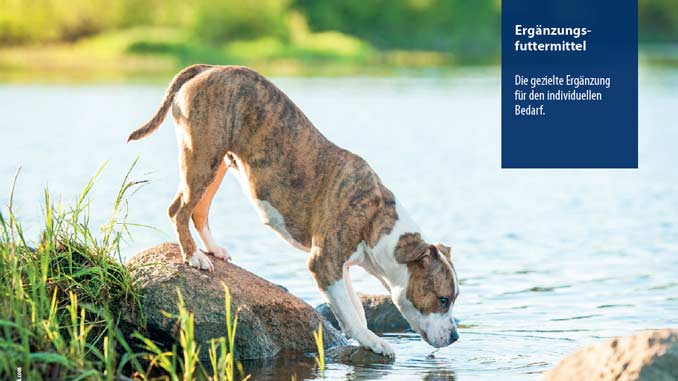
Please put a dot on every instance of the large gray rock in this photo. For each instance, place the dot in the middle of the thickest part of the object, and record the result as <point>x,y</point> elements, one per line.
<point>380,312</point>
<point>646,356</point>
<point>270,319</point>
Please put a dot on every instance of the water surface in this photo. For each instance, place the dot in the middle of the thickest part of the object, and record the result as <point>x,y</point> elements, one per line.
<point>549,260</point>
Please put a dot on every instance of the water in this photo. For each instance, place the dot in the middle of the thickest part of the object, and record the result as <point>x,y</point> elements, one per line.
<point>550,260</point>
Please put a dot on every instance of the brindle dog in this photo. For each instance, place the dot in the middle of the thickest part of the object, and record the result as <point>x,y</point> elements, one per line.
<point>319,197</point>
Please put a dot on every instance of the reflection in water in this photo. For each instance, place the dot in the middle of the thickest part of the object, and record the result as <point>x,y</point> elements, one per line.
<point>282,367</point>
<point>549,260</point>
<point>292,366</point>
<point>444,375</point>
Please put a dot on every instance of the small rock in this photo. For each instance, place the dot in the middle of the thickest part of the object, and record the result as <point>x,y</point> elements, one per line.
<point>382,315</point>
<point>270,320</point>
<point>646,356</point>
<point>353,355</point>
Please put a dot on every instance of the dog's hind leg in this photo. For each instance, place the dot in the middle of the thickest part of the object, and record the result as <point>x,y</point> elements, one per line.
<point>201,216</point>
<point>198,168</point>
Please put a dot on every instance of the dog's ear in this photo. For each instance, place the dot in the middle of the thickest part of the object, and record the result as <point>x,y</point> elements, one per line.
<point>420,252</point>
<point>446,250</point>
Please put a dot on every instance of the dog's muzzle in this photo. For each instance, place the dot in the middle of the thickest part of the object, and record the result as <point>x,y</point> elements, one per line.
<point>454,336</point>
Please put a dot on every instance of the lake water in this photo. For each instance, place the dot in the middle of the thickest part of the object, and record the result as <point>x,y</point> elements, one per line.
<point>549,260</point>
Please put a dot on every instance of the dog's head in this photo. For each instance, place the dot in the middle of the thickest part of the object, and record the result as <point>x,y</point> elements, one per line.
<point>432,289</point>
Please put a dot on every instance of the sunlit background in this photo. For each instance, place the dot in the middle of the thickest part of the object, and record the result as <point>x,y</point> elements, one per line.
<point>550,260</point>
<point>84,40</point>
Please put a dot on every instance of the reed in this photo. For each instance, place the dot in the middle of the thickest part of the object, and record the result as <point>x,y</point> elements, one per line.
<point>318,336</point>
<point>222,349</point>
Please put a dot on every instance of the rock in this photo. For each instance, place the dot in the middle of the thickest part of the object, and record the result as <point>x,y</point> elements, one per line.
<point>646,356</point>
<point>382,315</point>
<point>353,355</point>
<point>270,320</point>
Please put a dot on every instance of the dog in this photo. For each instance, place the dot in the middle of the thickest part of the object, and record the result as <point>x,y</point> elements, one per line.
<point>319,197</point>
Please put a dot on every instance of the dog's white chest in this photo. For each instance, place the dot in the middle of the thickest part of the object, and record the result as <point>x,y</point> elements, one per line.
<point>269,215</point>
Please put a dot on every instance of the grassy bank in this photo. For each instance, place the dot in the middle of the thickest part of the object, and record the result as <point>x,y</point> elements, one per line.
<point>66,304</point>
<point>62,300</point>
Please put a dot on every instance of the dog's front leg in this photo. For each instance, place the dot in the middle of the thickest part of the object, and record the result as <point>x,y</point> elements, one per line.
<point>337,295</point>
<point>355,299</point>
<point>343,308</point>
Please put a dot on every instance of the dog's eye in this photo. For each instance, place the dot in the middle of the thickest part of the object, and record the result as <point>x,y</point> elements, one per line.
<point>444,302</point>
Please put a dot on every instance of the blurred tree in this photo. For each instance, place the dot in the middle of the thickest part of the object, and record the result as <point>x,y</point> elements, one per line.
<point>218,21</point>
<point>51,20</point>
<point>469,27</point>
<point>658,20</point>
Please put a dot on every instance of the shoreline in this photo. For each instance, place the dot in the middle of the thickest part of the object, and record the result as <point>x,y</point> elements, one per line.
<point>154,54</point>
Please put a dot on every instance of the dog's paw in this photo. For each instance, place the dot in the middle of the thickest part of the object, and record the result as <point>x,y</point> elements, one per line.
<point>375,344</point>
<point>200,261</point>
<point>221,253</point>
<point>383,348</point>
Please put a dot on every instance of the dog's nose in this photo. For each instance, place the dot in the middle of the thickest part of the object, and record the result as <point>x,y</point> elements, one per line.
<point>454,336</point>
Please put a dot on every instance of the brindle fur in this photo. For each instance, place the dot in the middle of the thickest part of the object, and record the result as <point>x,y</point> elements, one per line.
<point>228,111</point>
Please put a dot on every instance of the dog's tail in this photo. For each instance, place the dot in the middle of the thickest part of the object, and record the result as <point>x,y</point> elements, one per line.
<point>174,86</point>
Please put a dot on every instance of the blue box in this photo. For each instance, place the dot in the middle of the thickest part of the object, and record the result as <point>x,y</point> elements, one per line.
<point>559,124</point>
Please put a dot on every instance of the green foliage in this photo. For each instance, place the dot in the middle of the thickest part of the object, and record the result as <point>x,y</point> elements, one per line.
<point>182,362</point>
<point>217,21</point>
<point>60,303</point>
<point>57,20</point>
<point>658,20</point>
<point>222,356</point>
<point>125,38</point>
<point>179,363</point>
<point>442,25</point>
<point>466,27</point>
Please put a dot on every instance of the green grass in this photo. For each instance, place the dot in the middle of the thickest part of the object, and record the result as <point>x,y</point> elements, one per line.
<point>182,363</point>
<point>222,350</point>
<point>62,303</point>
<point>318,337</point>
